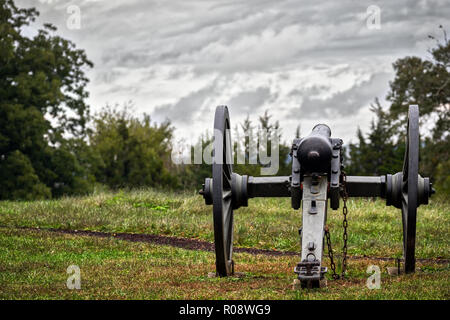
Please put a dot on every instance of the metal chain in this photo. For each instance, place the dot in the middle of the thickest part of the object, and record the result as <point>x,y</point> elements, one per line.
<point>344,223</point>
<point>330,254</point>
<point>345,236</point>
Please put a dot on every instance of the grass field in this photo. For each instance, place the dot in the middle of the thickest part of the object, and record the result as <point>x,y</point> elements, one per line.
<point>33,260</point>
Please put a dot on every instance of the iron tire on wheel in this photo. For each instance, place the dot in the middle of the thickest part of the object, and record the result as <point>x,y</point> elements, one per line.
<point>409,194</point>
<point>222,200</point>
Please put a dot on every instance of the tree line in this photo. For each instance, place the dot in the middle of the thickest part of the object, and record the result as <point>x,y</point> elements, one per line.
<point>52,145</point>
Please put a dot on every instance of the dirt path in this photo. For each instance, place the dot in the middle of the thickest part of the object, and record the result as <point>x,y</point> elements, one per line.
<point>194,244</point>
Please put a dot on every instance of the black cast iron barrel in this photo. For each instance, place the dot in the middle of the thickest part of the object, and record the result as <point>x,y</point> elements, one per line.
<point>314,151</point>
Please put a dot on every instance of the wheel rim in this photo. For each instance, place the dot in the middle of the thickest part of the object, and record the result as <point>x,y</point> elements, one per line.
<point>222,201</point>
<point>410,189</point>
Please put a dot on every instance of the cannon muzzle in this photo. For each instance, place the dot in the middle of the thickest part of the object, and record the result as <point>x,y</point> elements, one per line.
<point>314,151</point>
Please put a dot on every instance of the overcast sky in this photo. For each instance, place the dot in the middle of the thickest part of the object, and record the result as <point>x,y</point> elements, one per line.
<point>305,61</point>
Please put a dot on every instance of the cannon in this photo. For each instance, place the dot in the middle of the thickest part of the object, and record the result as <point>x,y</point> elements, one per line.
<point>317,181</point>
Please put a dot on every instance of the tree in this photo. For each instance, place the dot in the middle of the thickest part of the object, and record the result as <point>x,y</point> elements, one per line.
<point>41,78</point>
<point>426,82</point>
<point>266,130</point>
<point>130,152</point>
<point>355,164</point>
<point>19,180</point>
<point>245,139</point>
<point>193,174</point>
<point>379,153</point>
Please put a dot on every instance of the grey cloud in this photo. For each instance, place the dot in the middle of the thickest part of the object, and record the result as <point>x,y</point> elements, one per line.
<point>250,101</point>
<point>346,102</point>
<point>311,91</point>
<point>192,106</point>
<point>108,77</point>
<point>187,108</point>
<point>135,33</point>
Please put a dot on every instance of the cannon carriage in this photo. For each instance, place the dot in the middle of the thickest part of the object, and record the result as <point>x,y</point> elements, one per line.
<point>317,178</point>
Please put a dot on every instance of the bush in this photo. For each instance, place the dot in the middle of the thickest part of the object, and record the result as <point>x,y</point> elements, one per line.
<point>19,180</point>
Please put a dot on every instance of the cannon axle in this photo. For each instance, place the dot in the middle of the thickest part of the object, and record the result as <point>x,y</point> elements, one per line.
<point>386,187</point>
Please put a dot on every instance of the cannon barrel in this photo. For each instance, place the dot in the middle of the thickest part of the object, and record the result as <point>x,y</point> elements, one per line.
<point>321,129</point>
<point>315,151</point>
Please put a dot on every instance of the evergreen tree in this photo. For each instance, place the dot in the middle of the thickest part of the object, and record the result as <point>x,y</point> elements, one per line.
<point>379,153</point>
<point>246,138</point>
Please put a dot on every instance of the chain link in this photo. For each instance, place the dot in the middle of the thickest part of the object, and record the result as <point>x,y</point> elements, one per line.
<point>330,254</point>
<point>344,223</point>
<point>344,196</point>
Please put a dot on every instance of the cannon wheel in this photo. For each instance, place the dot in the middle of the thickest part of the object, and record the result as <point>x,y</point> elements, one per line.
<point>222,201</point>
<point>410,188</point>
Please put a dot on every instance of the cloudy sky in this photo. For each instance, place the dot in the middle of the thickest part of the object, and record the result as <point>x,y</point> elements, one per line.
<point>304,61</point>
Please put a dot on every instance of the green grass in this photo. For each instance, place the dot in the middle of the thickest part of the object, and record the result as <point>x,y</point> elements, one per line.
<point>33,263</point>
<point>270,223</point>
<point>33,266</point>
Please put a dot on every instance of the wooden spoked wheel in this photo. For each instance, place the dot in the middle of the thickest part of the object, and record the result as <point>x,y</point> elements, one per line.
<point>222,200</point>
<point>410,189</point>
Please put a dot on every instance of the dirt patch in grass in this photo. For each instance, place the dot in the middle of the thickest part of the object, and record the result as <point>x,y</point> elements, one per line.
<point>194,244</point>
<point>184,243</point>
